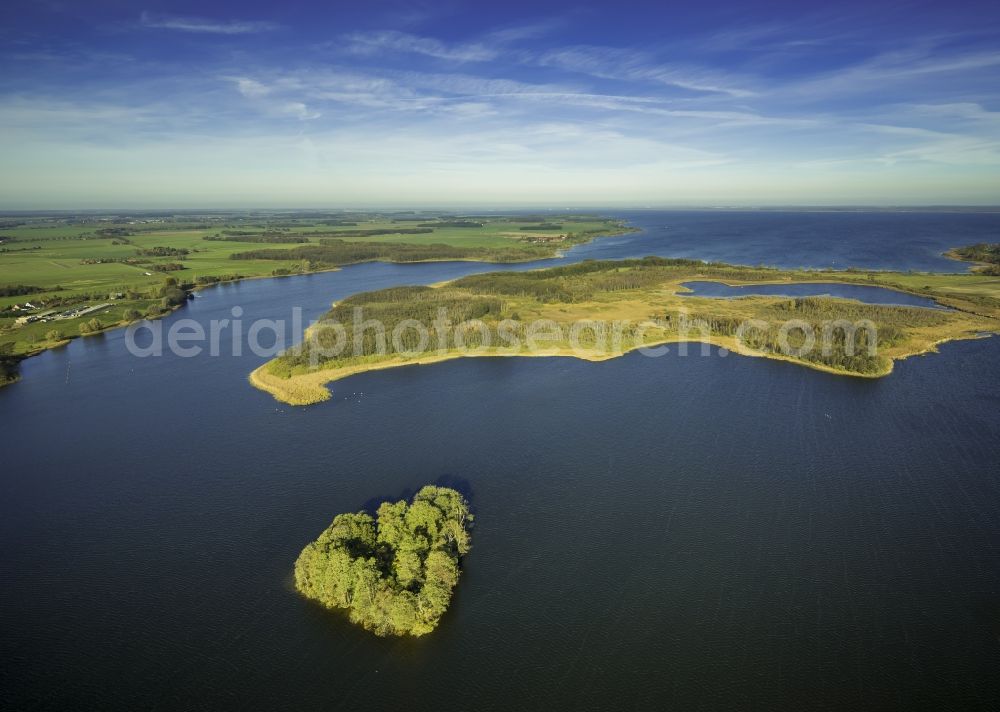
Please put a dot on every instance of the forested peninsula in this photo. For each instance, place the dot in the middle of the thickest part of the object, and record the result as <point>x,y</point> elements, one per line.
<point>393,573</point>
<point>985,255</point>
<point>648,297</point>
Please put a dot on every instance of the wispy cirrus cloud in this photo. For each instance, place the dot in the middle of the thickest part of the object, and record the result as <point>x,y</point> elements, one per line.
<point>250,88</point>
<point>411,106</point>
<point>484,48</point>
<point>600,62</point>
<point>372,43</point>
<point>631,65</point>
<point>262,94</point>
<point>384,96</point>
<point>938,146</point>
<point>910,69</point>
<point>205,26</point>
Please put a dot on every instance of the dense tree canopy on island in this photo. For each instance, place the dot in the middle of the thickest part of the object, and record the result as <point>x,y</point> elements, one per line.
<point>393,573</point>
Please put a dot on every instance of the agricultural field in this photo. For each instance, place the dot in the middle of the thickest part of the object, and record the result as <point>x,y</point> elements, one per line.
<point>72,261</point>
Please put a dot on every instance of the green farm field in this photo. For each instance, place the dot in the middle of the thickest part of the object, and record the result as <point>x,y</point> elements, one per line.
<point>74,261</point>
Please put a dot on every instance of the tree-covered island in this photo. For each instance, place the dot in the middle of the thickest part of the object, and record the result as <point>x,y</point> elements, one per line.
<point>393,573</point>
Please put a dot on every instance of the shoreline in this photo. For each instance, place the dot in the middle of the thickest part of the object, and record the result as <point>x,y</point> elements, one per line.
<point>194,288</point>
<point>310,388</point>
<point>974,266</point>
<point>818,280</point>
<point>281,389</point>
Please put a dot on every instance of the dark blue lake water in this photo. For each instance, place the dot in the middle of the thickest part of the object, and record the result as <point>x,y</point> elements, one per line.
<point>683,532</point>
<point>836,240</point>
<point>860,292</point>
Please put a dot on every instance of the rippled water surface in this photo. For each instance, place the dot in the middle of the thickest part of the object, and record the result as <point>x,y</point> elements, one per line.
<point>685,532</point>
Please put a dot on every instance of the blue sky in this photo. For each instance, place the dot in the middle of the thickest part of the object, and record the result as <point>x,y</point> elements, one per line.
<point>333,104</point>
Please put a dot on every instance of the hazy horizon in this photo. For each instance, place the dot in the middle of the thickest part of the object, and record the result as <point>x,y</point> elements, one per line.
<point>251,105</point>
<point>499,209</point>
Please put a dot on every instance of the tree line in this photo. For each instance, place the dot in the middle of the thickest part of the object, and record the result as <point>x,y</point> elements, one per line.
<point>18,290</point>
<point>160,251</point>
<point>336,252</point>
<point>451,223</point>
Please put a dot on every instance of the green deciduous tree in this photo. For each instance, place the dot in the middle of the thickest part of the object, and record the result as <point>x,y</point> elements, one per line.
<point>92,326</point>
<point>395,574</point>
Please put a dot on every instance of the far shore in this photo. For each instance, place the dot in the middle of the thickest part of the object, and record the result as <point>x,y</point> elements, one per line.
<point>194,288</point>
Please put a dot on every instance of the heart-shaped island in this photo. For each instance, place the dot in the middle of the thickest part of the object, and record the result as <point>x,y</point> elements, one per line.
<point>393,573</point>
